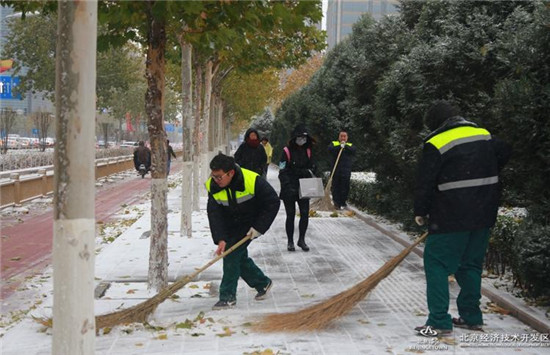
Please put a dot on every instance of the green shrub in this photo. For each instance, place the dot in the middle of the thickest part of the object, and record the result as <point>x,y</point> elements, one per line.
<point>532,249</point>
<point>501,256</point>
<point>383,199</point>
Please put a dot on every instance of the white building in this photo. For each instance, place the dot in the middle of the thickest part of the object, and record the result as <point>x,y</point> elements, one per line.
<point>342,14</point>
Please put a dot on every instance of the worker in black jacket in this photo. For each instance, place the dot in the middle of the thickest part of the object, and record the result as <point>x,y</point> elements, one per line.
<point>251,153</point>
<point>240,203</point>
<point>457,194</point>
<point>342,174</point>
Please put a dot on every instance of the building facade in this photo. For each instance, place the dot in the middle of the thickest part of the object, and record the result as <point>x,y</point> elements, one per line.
<point>342,14</point>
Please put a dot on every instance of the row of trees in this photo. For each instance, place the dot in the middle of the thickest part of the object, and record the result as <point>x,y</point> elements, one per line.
<point>209,40</point>
<point>490,58</point>
<point>120,82</point>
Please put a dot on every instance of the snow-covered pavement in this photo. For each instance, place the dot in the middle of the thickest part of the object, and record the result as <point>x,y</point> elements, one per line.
<point>344,251</point>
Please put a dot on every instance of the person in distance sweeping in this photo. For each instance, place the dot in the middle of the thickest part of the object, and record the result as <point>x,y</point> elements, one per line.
<point>240,203</point>
<point>457,195</point>
<point>342,174</point>
<point>296,163</point>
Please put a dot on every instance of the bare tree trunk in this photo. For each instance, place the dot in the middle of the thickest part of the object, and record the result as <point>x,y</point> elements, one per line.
<point>154,106</point>
<point>212,125</point>
<point>219,120</point>
<point>205,122</point>
<point>7,119</point>
<point>42,121</point>
<point>74,187</point>
<point>227,123</point>
<point>197,136</point>
<point>187,124</point>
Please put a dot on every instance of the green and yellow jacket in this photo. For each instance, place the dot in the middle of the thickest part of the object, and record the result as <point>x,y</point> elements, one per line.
<point>248,201</point>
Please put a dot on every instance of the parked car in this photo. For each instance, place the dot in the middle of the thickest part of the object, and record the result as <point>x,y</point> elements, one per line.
<point>24,142</point>
<point>13,143</point>
<point>50,142</point>
<point>128,144</point>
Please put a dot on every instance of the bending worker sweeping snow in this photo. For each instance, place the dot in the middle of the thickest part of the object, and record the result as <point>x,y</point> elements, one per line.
<point>458,189</point>
<point>240,203</point>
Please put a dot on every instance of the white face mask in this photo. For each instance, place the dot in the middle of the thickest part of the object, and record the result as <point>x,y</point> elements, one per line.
<point>301,141</point>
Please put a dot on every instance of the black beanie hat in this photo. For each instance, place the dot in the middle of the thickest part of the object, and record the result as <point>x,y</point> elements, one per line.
<point>440,111</point>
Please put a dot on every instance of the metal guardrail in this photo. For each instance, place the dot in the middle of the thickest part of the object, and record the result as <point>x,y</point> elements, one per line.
<point>26,184</point>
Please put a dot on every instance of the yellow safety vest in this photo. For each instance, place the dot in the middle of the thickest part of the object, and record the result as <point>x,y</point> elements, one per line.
<point>336,143</point>
<point>222,196</point>
<point>447,140</point>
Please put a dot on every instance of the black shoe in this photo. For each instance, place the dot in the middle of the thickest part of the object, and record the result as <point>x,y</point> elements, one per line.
<point>224,304</point>
<point>430,332</point>
<point>337,207</point>
<point>461,323</point>
<point>290,247</point>
<point>302,244</point>
<point>263,292</point>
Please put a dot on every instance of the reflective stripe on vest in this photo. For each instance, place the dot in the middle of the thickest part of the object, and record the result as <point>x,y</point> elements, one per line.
<point>447,140</point>
<point>457,136</point>
<point>468,183</point>
<point>222,198</point>
<point>336,143</point>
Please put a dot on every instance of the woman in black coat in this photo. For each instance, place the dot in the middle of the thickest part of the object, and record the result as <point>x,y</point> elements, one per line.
<point>251,154</point>
<point>295,163</point>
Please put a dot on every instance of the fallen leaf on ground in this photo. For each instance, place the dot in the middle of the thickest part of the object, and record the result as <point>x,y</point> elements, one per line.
<point>448,341</point>
<point>188,324</point>
<point>493,307</point>
<point>226,332</point>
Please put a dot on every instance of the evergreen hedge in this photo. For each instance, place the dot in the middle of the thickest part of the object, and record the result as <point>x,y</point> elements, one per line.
<point>491,59</point>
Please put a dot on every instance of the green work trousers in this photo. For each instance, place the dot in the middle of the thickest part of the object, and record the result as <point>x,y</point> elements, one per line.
<point>238,264</point>
<point>461,254</point>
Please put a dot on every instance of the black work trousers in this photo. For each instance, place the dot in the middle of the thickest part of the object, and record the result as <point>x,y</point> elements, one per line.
<point>290,208</point>
<point>340,188</point>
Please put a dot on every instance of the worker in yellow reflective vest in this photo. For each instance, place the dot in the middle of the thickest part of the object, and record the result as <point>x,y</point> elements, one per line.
<point>457,195</point>
<point>240,203</point>
<point>342,173</point>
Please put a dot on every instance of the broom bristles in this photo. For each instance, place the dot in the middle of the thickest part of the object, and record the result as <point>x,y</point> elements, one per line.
<point>324,203</point>
<point>320,315</point>
<point>140,312</point>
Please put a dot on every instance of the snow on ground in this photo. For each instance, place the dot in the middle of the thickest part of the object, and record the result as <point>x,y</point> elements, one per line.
<point>343,252</point>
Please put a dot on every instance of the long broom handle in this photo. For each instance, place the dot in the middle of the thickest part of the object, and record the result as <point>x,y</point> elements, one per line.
<point>185,279</point>
<point>329,182</point>
<point>336,162</point>
<point>228,251</point>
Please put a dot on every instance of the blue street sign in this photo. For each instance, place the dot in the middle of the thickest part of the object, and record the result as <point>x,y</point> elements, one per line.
<point>7,83</point>
<point>168,127</point>
<point>35,131</point>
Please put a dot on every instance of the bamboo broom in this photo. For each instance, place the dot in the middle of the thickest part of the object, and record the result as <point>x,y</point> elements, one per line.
<point>325,204</point>
<point>141,311</point>
<point>320,315</point>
